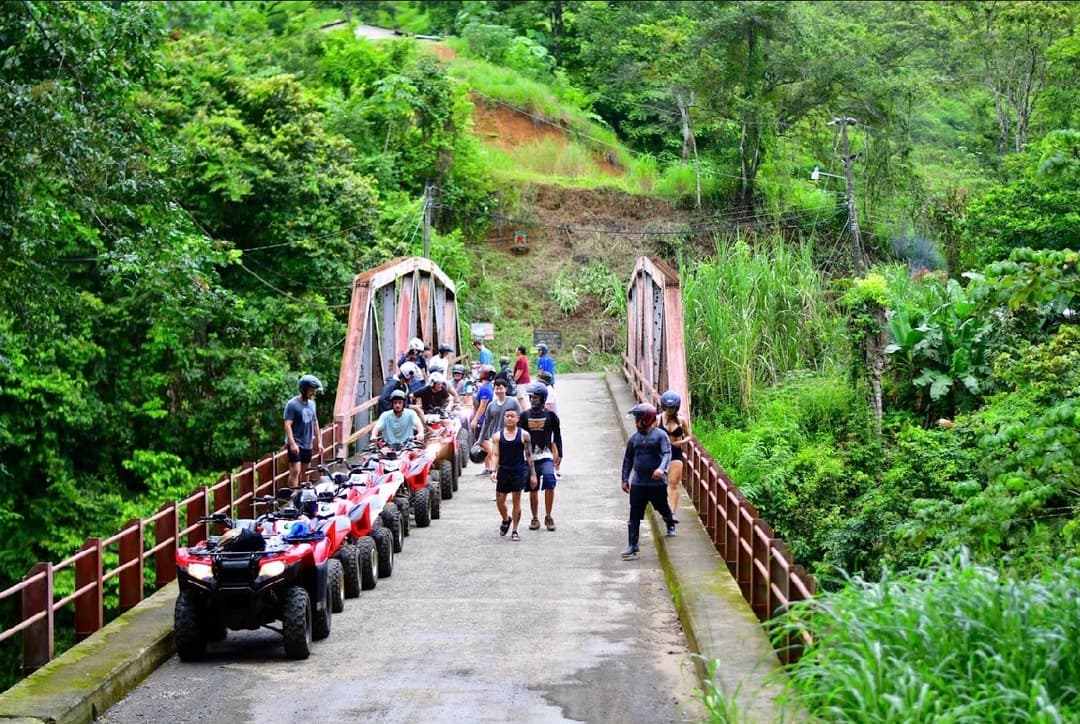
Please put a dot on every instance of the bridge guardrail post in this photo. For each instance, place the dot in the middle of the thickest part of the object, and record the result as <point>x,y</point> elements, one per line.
<point>38,638</point>
<point>245,490</point>
<point>166,528</point>
<point>90,604</point>
<point>196,509</point>
<point>131,551</point>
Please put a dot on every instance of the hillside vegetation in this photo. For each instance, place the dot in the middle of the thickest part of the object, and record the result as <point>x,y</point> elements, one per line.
<point>187,189</point>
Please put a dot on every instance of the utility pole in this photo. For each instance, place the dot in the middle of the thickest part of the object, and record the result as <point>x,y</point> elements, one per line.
<point>427,220</point>
<point>853,219</point>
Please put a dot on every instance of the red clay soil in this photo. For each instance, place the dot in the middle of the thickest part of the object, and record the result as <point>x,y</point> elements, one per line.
<point>506,127</point>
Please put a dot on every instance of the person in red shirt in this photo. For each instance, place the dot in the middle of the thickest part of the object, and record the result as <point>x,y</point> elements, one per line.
<point>521,372</point>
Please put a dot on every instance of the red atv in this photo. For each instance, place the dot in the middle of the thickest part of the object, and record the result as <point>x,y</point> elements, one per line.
<point>414,462</point>
<point>377,526</point>
<point>445,445</point>
<point>278,567</point>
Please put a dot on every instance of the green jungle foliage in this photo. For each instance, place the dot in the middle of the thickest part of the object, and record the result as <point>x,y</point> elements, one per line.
<point>187,189</point>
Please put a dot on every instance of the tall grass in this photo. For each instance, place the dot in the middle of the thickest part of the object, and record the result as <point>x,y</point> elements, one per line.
<point>955,643</point>
<point>753,314</point>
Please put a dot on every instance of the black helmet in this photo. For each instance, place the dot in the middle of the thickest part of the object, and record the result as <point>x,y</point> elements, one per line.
<point>477,454</point>
<point>504,361</point>
<point>307,502</point>
<point>545,376</point>
<point>398,395</point>
<point>309,382</point>
<point>537,395</point>
<point>444,347</point>
<point>670,399</point>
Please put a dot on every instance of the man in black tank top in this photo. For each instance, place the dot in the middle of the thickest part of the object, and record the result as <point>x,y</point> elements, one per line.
<point>511,459</point>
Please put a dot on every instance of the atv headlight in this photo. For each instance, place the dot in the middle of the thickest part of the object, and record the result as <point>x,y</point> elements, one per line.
<point>201,571</point>
<point>272,569</point>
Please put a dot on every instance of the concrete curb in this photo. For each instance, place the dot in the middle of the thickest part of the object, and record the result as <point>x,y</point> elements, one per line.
<point>83,682</point>
<point>720,626</point>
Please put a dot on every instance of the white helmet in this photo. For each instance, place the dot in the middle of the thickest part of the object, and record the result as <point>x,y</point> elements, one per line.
<point>416,344</point>
<point>409,371</point>
<point>437,377</point>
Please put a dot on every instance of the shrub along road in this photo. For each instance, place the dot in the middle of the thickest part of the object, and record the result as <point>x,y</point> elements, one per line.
<point>471,626</point>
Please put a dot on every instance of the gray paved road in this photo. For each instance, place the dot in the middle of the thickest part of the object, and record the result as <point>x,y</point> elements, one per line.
<point>472,627</point>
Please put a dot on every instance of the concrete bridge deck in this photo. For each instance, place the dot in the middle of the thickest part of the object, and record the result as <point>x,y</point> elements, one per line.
<point>470,627</point>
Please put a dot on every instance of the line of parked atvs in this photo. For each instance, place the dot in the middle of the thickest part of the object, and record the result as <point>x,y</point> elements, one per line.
<point>316,545</point>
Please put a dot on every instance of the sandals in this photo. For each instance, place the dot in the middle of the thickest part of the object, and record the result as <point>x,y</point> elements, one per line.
<point>515,536</point>
<point>504,526</point>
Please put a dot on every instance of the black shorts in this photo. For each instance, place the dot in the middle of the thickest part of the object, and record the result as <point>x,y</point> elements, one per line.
<point>676,453</point>
<point>303,457</point>
<point>511,480</point>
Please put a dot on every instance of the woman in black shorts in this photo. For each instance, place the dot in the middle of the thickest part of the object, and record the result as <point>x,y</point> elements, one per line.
<point>678,430</point>
<point>511,459</point>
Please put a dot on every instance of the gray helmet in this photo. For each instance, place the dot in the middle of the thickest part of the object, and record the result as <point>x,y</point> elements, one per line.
<point>458,369</point>
<point>444,347</point>
<point>398,395</point>
<point>542,348</point>
<point>504,361</point>
<point>537,394</point>
<point>670,399</point>
<point>309,382</point>
<point>416,344</point>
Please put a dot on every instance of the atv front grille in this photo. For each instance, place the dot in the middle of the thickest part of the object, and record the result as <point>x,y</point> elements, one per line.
<point>236,569</point>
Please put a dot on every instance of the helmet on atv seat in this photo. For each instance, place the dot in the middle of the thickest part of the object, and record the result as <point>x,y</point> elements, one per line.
<point>307,502</point>
<point>477,454</point>
<point>537,395</point>
<point>644,415</point>
<point>309,382</point>
<point>670,400</point>
<point>299,530</point>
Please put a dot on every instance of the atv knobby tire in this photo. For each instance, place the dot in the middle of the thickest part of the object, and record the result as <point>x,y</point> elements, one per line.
<point>189,629</point>
<point>464,444</point>
<point>335,574</point>
<point>422,507</point>
<point>436,500</point>
<point>368,558</point>
<point>384,544</point>
<point>403,508</point>
<point>351,570</point>
<point>296,623</point>
<point>391,518</point>
<point>446,479</point>
<point>321,621</point>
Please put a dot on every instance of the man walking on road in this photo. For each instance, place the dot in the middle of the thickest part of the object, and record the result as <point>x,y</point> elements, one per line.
<point>511,459</point>
<point>544,431</point>
<point>647,456</point>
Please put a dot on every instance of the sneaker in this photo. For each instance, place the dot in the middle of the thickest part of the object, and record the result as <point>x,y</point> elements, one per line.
<point>558,475</point>
<point>549,522</point>
<point>630,552</point>
<point>535,525</point>
<point>671,531</point>
<point>515,536</point>
<point>504,526</point>
<point>484,472</point>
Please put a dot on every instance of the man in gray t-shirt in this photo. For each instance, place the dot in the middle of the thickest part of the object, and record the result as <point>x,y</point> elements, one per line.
<point>303,439</point>
<point>398,425</point>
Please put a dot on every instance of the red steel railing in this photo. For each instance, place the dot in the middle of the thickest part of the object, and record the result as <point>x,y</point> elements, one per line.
<point>233,494</point>
<point>760,562</point>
